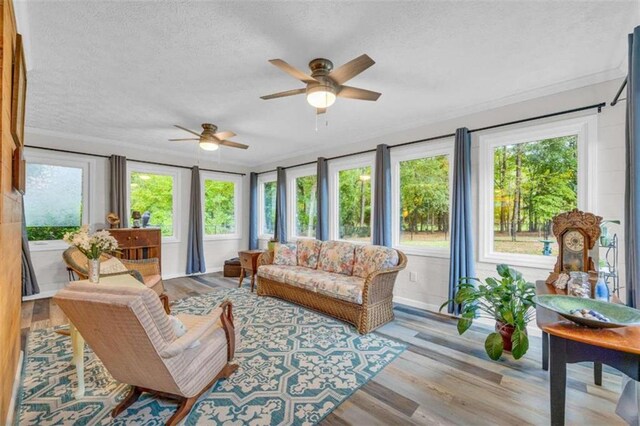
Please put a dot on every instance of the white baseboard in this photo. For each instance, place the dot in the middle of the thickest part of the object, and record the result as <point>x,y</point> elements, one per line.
<point>42,295</point>
<point>208,271</point>
<point>14,391</point>
<point>416,304</point>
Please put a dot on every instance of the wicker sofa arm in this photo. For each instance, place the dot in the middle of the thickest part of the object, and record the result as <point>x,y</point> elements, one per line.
<point>145,267</point>
<point>265,258</point>
<point>379,284</point>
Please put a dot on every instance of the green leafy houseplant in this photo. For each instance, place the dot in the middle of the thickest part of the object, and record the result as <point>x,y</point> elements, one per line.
<point>507,299</point>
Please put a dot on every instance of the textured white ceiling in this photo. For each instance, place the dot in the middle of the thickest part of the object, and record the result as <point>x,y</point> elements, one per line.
<point>128,71</point>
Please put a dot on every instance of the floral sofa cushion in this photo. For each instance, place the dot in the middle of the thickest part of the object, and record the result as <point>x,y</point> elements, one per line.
<point>372,258</point>
<point>274,272</point>
<point>337,256</point>
<point>344,287</point>
<point>285,254</point>
<point>308,252</point>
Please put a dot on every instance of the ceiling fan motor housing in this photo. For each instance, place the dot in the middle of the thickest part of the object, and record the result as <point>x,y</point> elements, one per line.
<point>325,89</point>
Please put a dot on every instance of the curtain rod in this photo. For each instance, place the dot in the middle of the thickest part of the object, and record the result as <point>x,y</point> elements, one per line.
<point>130,159</point>
<point>616,98</point>
<point>450,135</point>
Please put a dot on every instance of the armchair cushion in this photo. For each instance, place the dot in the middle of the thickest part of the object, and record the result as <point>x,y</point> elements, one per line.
<point>285,254</point>
<point>337,256</point>
<point>180,329</point>
<point>112,266</point>
<point>370,258</point>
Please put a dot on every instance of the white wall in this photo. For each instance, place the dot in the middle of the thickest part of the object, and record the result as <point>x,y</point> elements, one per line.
<point>430,289</point>
<point>49,266</point>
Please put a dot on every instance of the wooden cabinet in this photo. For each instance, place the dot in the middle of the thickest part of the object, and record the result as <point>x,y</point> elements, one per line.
<point>139,243</point>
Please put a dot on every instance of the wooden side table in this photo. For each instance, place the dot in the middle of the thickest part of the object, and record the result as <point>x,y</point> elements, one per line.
<point>249,263</point>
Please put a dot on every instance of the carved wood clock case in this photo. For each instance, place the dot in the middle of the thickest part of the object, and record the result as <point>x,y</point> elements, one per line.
<point>577,233</point>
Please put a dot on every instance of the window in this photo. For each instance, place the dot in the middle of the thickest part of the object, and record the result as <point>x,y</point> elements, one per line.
<point>49,211</point>
<point>56,200</point>
<point>154,191</point>
<point>421,186</point>
<point>303,209</point>
<point>351,188</point>
<point>528,177</point>
<point>221,205</point>
<point>267,205</point>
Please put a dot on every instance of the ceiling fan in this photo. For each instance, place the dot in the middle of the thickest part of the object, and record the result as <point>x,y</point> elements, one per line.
<point>209,140</point>
<point>325,83</point>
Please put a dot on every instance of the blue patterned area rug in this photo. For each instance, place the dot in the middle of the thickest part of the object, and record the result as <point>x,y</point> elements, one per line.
<point>295,367</point>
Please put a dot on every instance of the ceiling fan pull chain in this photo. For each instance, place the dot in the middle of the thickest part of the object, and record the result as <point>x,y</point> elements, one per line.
<point>316,122</point>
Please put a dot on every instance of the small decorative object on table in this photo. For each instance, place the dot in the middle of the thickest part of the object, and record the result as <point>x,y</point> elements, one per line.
<point>146,217</point>
<point>579,285</point>
<point>113,220</point>
<point>92,246</point>
<point>561,282</point>
<point>589,312</point>
<point>508,300</point>
<point>135,215</point>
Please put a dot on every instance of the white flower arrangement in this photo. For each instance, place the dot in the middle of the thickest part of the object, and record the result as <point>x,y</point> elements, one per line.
<point>91,245</point>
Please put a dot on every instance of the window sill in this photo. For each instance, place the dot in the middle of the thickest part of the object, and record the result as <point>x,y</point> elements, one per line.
<point>222,237</point>
<point>170,240</point>
<point>525,261</point>
<point>413,251</point>
<point>53,245</point>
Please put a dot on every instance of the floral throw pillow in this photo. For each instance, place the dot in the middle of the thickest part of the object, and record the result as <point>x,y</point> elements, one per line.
<point>372,258</point>
<point>308,252</point>
<point>337,256</point>
<point>285,254</point>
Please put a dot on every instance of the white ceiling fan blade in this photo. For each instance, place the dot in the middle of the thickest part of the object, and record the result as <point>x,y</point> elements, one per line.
<point>346,72</point>
<point>234,144</point>
<point>187,130</point>
<point>189,139</point>
<point>224,135</point>
<point>293,71</point>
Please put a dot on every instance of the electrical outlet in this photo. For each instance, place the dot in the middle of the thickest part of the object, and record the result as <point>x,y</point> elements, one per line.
<point>413,276</point>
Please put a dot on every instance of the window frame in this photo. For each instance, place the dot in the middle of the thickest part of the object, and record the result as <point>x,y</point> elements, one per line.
<point>335,167</point>
<point>88,166</point>
<point>433,149</point>
<point>133,166</point>
<point>237,204</point>
<point>292,176</point>
<point>262,179</point>
<point>587,134</point>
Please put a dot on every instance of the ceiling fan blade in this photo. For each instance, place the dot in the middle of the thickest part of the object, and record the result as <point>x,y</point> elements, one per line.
<point>283,94</point>
<point>360,94</point>
<point>320,111</point>
<point>346,72</point>
<point>292,71</point>
<point>224,135</point>
<point>234,144</point>
<point>189,139</point>
<point>187,130</point>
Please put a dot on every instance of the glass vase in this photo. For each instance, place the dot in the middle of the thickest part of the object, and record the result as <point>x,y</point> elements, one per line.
<point>94,270</point>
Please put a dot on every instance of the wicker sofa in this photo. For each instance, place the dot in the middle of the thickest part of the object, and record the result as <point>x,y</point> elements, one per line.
<point>351,282</point>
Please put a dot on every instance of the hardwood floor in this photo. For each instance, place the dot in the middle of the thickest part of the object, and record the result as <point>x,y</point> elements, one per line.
<point>441,379</point>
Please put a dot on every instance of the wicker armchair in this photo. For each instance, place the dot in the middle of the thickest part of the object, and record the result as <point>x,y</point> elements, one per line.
<point>146,271</point>
<point>377,296</point>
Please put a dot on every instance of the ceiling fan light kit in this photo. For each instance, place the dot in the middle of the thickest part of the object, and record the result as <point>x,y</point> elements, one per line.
<point>325,84</point>
<point>208,145</point>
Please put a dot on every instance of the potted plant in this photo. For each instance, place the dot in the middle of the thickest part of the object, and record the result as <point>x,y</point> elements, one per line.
<point>271,245</point>
<point>508,300</point>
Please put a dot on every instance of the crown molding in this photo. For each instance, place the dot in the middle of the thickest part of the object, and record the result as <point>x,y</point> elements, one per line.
<point>122,144</point>
<point>382,132</point>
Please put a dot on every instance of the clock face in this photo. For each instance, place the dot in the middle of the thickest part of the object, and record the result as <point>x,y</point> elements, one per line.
<point>574,241</point>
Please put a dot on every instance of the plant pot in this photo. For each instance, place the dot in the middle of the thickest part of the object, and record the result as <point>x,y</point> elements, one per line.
<point>505,331</point>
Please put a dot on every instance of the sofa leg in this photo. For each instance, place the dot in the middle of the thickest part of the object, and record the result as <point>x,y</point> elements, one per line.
<point>132,396</point>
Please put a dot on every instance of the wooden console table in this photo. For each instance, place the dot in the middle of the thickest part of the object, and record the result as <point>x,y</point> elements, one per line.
<point>564,342</point>
<point>139,243</point>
